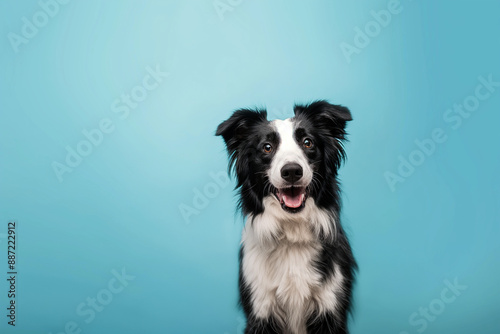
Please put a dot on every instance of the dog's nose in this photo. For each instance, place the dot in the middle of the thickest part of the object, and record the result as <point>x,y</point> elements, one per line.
<point>291,172</point>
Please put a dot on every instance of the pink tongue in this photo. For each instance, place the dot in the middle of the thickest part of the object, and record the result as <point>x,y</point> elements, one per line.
<point>293,201</point>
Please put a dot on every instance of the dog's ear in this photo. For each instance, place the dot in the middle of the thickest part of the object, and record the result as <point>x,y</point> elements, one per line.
<point>237,128</point>
<point>326,116</point>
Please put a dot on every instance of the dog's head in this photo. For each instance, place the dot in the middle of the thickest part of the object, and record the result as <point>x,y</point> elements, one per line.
<point>290,159</point>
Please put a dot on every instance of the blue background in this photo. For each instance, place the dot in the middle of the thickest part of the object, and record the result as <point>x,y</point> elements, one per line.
<point>121,207</point>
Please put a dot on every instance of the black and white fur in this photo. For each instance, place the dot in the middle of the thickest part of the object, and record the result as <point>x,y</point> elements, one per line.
<point>296,264</point>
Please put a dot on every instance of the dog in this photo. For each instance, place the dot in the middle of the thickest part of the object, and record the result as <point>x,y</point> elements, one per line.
<point>297,268</point>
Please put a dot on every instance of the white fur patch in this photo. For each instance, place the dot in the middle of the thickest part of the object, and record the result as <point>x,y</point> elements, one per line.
<point>279,252</point>
<point>288,152</point>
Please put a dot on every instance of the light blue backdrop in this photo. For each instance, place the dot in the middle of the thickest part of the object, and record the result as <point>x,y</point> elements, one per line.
<point>147,200</point>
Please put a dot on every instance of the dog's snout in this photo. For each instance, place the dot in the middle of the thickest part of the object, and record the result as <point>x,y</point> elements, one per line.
<point>291,172</point>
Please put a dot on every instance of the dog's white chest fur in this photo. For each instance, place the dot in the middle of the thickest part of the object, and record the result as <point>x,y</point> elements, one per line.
<point>278,265</point>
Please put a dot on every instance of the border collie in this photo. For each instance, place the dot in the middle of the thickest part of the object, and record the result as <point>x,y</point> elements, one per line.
<point>296,265</point>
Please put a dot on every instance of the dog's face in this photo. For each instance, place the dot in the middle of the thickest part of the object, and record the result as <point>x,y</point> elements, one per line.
<point>290,159</point>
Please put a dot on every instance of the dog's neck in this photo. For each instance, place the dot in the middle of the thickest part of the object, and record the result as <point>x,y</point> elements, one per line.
<point>275,226</point>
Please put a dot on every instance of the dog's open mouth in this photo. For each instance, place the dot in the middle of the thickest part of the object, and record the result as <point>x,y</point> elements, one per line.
<point>292,199</point>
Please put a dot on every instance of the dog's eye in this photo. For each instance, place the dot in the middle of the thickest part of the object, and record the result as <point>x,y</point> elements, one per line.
<point>308,143</point>
<point>267,148</point>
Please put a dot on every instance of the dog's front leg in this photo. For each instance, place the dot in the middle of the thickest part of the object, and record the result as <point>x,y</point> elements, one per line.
<point>263,326</point>
<point>326,323</point>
